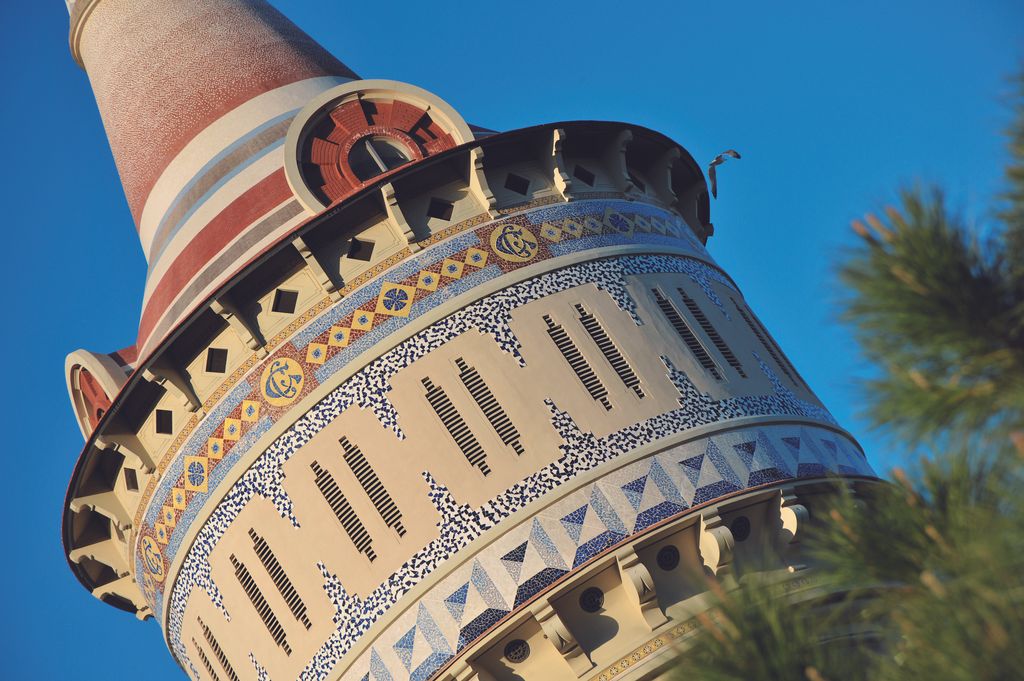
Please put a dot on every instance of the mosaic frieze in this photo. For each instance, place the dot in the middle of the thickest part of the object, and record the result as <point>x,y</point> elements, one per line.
<point>369,387</point>
<point>389,298</point>
<point>566,535</point>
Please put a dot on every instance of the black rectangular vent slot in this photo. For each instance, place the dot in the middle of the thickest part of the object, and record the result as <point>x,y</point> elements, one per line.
<point>517,183</point>
<point>583,175</point>
<point>217,652</point>
<point>164,422</point>
<point>360,250</point>
<point>261,605</point>
<point>767,342</point>
<point>216,360</point>
<point>280,579</point>
<point>285,301</point>
<point>712,333</point>
<point>489,405</point>
<point>610,351</point>
<point>131,480</point>
<point>343,510</point>
<point>372,485</point>
<point>440,209</point>
<point>578,362</point>
<point>456,426</point>
<point>677,322</point>
<point>206,662</point>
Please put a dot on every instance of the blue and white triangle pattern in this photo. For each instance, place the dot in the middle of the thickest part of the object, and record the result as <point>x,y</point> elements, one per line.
<point>514,569</point>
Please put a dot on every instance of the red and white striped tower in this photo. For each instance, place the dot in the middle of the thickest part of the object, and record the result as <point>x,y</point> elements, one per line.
<point>413,400</point>
<point>194,97</point>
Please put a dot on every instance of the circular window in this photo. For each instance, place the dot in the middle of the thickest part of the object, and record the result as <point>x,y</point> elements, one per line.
<point>517,651</point>
<point>740,528</point>
<point>668,558</point>
<point>375,155</point>
<point>592,599</point>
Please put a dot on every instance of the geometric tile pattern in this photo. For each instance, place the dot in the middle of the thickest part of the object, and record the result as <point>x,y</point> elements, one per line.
<point>392,295</point>
<point>568,534</point>
<point>328,343</point>
<point>543,554</point>
<point>581,452</point>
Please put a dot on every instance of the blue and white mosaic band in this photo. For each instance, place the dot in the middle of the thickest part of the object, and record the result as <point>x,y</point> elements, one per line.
<point>723,469</point>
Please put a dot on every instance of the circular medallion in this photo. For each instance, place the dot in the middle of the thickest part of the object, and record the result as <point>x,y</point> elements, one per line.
<point>152,558</point>
<point>281,381</point>
<point>514,243</point>
<point>517,651</point>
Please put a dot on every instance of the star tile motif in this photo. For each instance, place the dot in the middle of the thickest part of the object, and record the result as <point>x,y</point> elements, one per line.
<point>362,320</point>
<point>250,411</point>
<point>593,225</point>
<point>617,222</point>
<point>215,448</point>
<point>428,280</point>
<point>162,535</point>
<point>168,516</point>
<point>476,257</point>
<point>316,353</point>
<point>338,336</point>
<point>571,228</point>
<point>395,299</point>
<point>178,499</point>
<point>550,232</point>
<point>452,268</point>
<point>232,429</point>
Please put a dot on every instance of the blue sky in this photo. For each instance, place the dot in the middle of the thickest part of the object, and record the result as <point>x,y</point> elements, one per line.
<point>834,106</point>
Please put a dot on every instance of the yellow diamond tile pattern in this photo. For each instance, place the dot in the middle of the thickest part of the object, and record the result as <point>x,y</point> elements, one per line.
<point>362,320</point>
<point>162,535</point>
<point>428,281</point>
<point>232,429</point>
<point>476,257</point>
<point>168,516</point>
<point>250,411</point>
<point>316,353</point>
<point>617,222</point>
<point>571,228</point>
<point>550,232</point>
<point>178,498</point>
<point>338,336</point>
<point>215,448</point>
<point>592,224</point>
<point>452,268</point>
<point>395,299</point>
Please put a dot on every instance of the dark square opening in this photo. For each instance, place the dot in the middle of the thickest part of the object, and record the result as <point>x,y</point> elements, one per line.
<point>517,183</point>
<point>164,422</point>
<point>583,175</point>
<point>131,480</point>
<point>216,360</point>
<point>360,250</point>
<point>440,209</point>
<point>285,301</point>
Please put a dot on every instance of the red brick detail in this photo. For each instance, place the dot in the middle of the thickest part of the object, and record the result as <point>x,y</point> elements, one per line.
<point>96,400</point>
<point>335,134</point>
<point>323,152</point>
<point>404,116</point>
